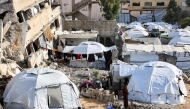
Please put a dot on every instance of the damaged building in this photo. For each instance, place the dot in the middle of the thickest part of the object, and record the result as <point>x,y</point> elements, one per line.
<point>28,28</point>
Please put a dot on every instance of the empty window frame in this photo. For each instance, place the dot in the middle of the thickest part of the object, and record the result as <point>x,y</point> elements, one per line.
<point>57,25</point>
<point>160,3</point>
<point>147,3</point>
<point>136,4</point>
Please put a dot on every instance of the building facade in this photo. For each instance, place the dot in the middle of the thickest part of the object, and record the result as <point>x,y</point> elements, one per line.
<point>30,20</point>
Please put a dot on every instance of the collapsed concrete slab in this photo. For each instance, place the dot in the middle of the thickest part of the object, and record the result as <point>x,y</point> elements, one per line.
<point>9,69</point>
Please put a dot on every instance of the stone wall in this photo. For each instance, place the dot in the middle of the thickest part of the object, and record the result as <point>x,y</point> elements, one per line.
<point>105,28</point>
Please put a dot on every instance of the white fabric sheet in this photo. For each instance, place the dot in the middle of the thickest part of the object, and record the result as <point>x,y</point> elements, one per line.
<point>29,88</point>
<point>156,82</point>
<point>125,69</point>
<point>136,33</point>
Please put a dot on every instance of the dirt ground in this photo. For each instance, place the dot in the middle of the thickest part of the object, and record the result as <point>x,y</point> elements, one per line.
<point>88,103</point>
<point>187,103</point>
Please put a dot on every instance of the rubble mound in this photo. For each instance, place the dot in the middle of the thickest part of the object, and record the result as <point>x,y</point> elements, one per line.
<point>141,105</point>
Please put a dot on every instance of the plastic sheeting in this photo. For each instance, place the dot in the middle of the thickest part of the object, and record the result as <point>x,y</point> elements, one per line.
<point>156,82</point>
<point>29,88</point>
<point>179,32</point>
<point>136,33</point>
<point>135,27</point>
<point>184,39</point>
<point>125,69</point>
<point>89,48</point>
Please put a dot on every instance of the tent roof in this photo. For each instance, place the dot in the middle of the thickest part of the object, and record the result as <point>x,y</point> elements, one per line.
<point>156,78</point>
<point>24,84</point>
<point>155,48</point>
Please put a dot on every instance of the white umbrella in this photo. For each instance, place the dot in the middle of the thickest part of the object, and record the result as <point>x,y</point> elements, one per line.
<point>89,48</point>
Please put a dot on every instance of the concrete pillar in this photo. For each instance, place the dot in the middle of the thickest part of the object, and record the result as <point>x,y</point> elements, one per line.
<point>73,6</point>
<point>26,52</point>
<point>89,11</point>
<point>153,16</point>
<point>140,12</point>
<point>32,48</point>
<point>130,16</point>
<point>105,41</point>
<point>6,27</point>
<point>98,38</point>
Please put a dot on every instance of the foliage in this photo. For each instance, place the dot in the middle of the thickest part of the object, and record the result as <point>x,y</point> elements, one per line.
<point>173,10</point>
<point>96,74</point>
<point>123,1</point>
<point>110,8</point>
<point>169,17</point>
<point>185,22</point>
<point>188,3</point>
<point>183,14</point>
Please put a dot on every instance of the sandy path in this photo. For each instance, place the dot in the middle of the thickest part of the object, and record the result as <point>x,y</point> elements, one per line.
<point>187,103</point>
<point>88,103</point>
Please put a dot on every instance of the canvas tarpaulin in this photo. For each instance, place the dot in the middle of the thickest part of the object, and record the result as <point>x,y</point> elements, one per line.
<point>156,82</point>
<point>29,88</point>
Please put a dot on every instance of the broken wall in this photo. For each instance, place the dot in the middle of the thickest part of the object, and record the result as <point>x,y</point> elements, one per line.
<point>39,23</point>
<point>105,28</point>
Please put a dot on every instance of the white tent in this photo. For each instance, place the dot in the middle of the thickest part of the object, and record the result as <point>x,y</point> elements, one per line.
<point>41,89</point>
<point>187,28</point>
<point>89,48</point>
<point>157,82</point>
<point>184,39</point>
<point>136,23</point>
<point>178,32</point>
<point>136,33</point>
<point>135,27</point>
<point>155,26</point>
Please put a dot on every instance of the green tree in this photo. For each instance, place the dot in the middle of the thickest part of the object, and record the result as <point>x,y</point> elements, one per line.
<point>185,22</point>
<point>169,17</point>
<point>110,9</point>
<point>172,9</point>
<point>188,3</point>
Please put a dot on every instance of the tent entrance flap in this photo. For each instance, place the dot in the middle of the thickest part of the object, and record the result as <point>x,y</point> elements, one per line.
<point>55,99</point>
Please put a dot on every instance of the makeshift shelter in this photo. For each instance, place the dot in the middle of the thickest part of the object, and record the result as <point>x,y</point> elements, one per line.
<point>136,23</point>
<point>157,82</point>
<point>139,54</point>
<point>135,27</point>
<point>80,54</point>
<point>178,32</point>
<point>154,26</point>
<point>89,48</point>
<point>184,39</point>
<point>41,89</point>
<point>136,33</point>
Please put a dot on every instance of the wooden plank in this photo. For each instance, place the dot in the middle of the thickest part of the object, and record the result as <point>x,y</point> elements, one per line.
<point>135,47</point>
<point>187,48</point>
<point>158,48</point>
<point>6,27</point>
<point>148,48</point>
<point>167,48</point>
<point>178,49</point>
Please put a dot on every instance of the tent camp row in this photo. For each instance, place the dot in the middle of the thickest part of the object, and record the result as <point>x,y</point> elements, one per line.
<point>138,54</point>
